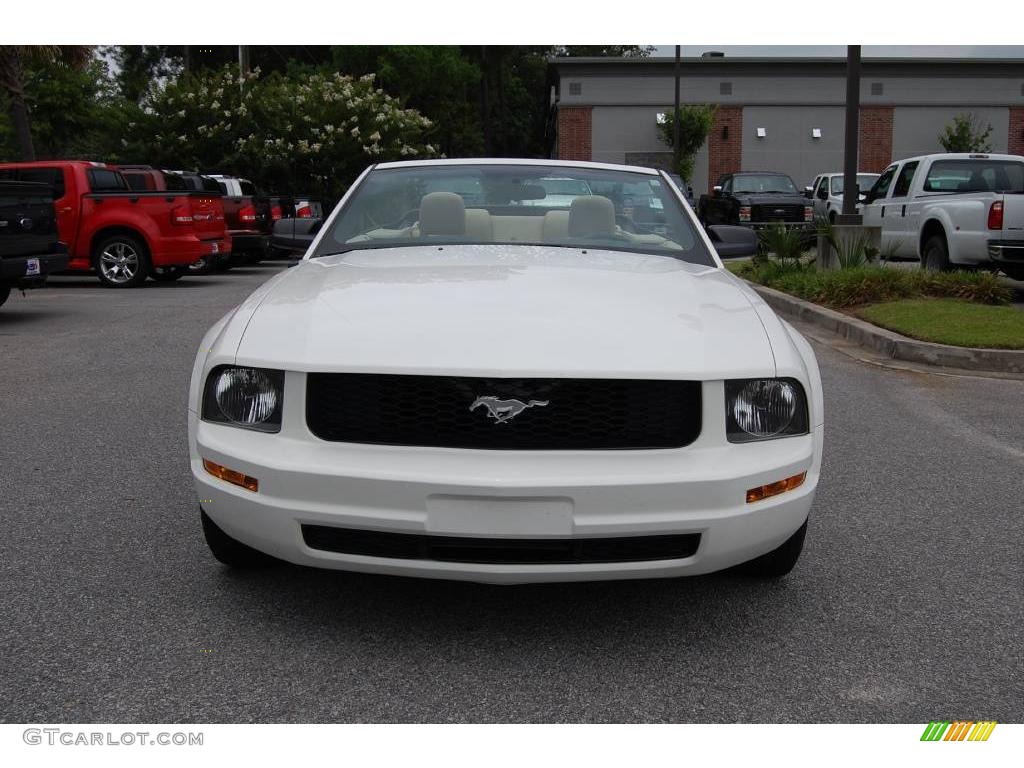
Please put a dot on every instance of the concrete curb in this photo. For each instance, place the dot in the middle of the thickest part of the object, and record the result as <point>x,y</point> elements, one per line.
<point>892,344</point>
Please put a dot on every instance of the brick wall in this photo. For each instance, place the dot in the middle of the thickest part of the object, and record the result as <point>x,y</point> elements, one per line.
<point>725,143</point>
<point>875,139</point>
<point>574,133</point>
<point>1016,142</point>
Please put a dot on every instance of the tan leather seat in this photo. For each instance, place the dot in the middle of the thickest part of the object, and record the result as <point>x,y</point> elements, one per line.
<point>555,228</point>
<point>442,213</point>
<point>478,225</point>
<point>591,216</point>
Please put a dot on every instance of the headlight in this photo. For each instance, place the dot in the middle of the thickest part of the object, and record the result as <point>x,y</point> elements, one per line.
<point>760,409</point>
<point>244,397</point>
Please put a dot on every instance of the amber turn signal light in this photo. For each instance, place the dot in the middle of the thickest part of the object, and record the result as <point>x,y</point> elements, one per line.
<point>774,489</point>
<point>238,478</point>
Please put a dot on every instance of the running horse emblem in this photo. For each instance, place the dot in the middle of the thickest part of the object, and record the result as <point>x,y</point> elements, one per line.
<point>504,410</point>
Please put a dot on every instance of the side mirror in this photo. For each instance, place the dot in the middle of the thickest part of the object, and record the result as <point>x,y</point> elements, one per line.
<point>808,192</point>
<point>294,235</point>
<point>716,191</point>
<point>732,242</point>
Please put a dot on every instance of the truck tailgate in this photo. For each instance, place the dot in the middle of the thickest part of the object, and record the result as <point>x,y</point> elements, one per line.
<point>28,226</point>
<point>208,216</point>
<point>1013,215</point>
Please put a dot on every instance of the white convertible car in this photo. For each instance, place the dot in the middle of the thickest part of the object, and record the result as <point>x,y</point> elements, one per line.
<point>494,390</point>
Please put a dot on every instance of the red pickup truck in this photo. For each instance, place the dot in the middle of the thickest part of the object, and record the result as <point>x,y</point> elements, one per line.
<point>148,178</point>
<point>125,235</point>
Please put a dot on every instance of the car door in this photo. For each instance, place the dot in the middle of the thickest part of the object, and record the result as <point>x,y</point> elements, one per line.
<point>903,241</point>
<point>875,209</point>
<point>821,197</point>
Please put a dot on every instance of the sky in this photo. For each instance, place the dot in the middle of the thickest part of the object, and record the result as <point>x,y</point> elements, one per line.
<point>899,51</point>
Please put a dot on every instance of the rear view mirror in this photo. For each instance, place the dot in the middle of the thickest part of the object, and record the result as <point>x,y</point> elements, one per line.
<point>732,242</point>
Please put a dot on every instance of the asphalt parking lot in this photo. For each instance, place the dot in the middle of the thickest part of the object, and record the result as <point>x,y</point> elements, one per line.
<point>908,604</point>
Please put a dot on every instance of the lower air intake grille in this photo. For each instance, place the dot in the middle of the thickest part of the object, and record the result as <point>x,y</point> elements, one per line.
<point>465,549</point>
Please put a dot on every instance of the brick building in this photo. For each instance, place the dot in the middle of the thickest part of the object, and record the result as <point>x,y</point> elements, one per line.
<point>781,114</point>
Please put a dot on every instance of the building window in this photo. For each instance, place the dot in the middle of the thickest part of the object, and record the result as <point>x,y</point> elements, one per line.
<point>876,89</point>
<point>725,89</point>
<point>575,89</point>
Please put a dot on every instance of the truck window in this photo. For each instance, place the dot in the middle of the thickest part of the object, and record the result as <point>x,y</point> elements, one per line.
<point>904,180</point>
<point>102,180</point>
<point>210,185</point>
<point>52,176</point>
<point>223,188</point>
<point>246,187</point>
<point>174,182</point>
<point>881,188</point>
<point>135,181</point>
<point>975,175</point>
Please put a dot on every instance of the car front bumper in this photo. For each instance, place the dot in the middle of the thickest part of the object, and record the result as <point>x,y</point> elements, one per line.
<point>700,489</point>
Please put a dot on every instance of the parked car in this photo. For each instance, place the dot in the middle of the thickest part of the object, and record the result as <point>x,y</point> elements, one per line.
<point>826,192</point>
<point>952,210</point>
<point>30,248</point>
<point>504,393</point>
<point>251,215</point>
<point>125,235</point>
<point>148,178</point>
<point>757,200</point>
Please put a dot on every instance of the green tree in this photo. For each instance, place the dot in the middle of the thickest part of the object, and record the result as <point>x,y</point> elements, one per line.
<point>966,134</point>
<point>14,61</point>
<point>290,132</point>
<point>695,121</point>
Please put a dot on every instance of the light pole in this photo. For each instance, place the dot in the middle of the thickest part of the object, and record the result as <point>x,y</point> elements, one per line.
<point>676,154</point>
<point>851,195</point>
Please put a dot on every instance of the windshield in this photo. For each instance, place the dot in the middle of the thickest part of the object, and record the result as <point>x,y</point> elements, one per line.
<point>768,183</point>
<point>514,205</point>
<point>865,181</point>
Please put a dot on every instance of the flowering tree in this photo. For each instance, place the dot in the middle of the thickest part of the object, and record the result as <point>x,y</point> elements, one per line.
<point>288,132</point>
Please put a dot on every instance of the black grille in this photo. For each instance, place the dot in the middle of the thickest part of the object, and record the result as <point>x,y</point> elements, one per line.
<point>580,414</point>
<point>771,213</point>
<point>465,549</point>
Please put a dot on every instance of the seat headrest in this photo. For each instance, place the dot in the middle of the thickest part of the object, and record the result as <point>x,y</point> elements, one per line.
<point>591,216</point>
<point>442,213</point>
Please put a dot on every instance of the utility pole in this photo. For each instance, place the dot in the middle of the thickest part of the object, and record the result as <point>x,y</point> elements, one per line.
<point>243,60</point>
<point>851,194</point>
<point>676,151</point>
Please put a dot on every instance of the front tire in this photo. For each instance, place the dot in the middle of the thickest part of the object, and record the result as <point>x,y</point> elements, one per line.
<point>779,561</point>
<point>121,261</point>
<point>230,551</point>
<point>935,257</point>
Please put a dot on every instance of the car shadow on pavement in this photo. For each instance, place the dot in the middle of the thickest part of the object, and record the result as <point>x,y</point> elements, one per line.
<point>358,604</point>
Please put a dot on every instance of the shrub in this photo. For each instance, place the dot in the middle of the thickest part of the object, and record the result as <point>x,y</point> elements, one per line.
<point>870,284</point>
<point>786,244</point>
<point>850,251</point>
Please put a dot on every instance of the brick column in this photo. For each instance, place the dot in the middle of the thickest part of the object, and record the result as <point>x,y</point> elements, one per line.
<point>725,144</point>
<point>875,139</point>
<point>1016,137</point>
<point>574,133</point>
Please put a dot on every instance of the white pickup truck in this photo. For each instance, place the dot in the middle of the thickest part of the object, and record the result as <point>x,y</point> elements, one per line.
<point>952,211</point>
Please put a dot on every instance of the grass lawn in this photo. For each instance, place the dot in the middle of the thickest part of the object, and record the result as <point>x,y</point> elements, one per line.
<point>950,321</point>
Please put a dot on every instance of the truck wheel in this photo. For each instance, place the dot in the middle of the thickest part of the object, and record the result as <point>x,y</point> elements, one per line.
<point>5,291</point>
<point>779,561</point>
<point>231,551</point>
<point>936,256</point>
<point>121,261</point>
<point>167,274</point>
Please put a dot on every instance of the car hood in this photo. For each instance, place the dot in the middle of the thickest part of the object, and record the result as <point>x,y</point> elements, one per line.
<point>762,199</point>
<point>493,310</point>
